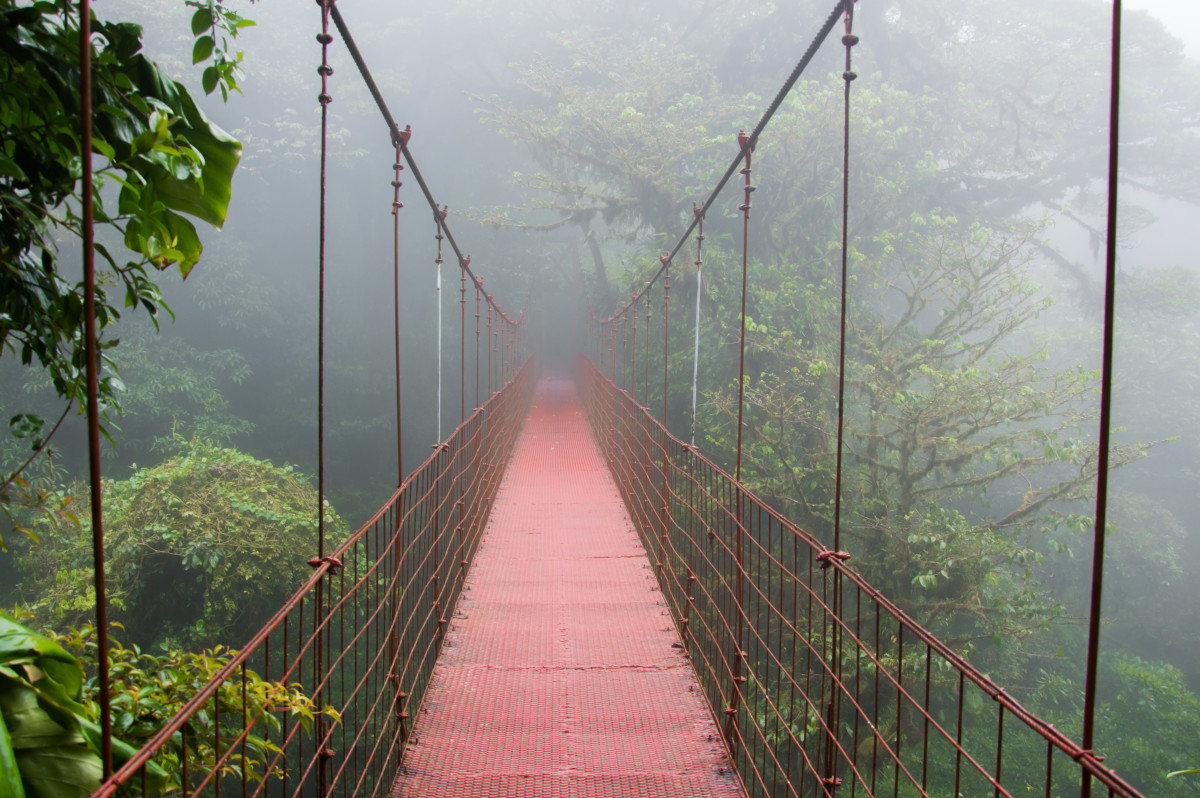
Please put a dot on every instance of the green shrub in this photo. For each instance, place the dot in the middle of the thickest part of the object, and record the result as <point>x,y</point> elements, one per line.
<point>200,549</point>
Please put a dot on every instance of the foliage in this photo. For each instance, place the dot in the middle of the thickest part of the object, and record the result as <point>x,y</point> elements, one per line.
<point>966,448</point>
<point>175,391</point>
<point>147,691</point>
<point>200,549</point>
<point>49,741</point>
<point>1147,721</point>
<point>167,161</point>
<point>49,738</point>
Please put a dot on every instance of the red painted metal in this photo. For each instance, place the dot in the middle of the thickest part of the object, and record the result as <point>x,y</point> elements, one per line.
<point>561,673</point>
<point>916,718</point>
<point>91,347</point>
<point>378,634</point>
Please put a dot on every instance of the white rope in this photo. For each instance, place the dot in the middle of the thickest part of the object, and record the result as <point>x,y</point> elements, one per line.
<point>696,354</point>
<point>439,351</point>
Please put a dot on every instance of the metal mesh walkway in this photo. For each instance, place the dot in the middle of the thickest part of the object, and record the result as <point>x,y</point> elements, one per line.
<point>562,673</point>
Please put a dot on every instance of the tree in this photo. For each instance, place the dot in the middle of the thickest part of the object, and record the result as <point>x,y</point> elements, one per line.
<point>196,549</point>
<point>160,154</point>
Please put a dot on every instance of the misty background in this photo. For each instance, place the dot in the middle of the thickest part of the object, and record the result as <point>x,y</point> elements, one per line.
<point>501,96</point>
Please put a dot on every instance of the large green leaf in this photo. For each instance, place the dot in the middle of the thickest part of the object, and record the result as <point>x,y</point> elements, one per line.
<point>53,757</point>
<point>10,776</point>
<point>62,677</point>
<point>207,199</point>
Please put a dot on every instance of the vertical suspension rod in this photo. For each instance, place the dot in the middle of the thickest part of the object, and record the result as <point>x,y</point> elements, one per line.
<point>699,289</point>
<point>1110,285</point>
<point>397,167</point>
<point>439,216</point>
<point>91,364</point>
<point>739,549</point>
<point>325,70</point>
<point>830,779</point>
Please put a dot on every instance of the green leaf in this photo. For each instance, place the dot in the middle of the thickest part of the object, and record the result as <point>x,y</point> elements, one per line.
<point>202,50</point>
<point>52,756</point>
<point>19,646</point>
<point>209,79</point>
<point>10,776</point>
<point>201,21</point>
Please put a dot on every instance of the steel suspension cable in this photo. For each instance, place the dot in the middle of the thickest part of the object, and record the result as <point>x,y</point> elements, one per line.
<point>826,27</point>
<point>397,167</point>
<point>324,98</point>
<point>1110,286</point>
<point>401,138</point>
<point>830,778</point>
<point>439,216</point>
<point>91,366</point>
<point>735,690</point>
<point>747,147</point>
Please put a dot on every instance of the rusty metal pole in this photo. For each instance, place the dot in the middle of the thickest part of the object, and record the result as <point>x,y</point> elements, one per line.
<point>1101,520</point>
<point>736,681</point>
<point>91,365</point>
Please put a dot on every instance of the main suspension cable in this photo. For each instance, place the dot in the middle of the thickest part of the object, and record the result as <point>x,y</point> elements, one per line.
<point>401,138</point>
<point>751,140</point>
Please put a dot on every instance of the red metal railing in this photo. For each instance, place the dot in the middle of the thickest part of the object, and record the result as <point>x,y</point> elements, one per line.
<point>814,700</point>
<point>360,636</point>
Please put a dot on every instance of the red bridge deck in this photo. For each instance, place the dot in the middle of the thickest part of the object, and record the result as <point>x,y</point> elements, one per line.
<point>559,675</point>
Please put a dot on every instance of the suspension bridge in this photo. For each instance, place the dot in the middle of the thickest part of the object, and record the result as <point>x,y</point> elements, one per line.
<point>566,599</point>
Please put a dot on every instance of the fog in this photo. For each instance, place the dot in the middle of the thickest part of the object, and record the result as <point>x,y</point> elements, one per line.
<point>986,120</point>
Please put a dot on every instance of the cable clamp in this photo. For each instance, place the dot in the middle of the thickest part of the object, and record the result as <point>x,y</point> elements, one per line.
<point>326,753</point>
<point>333,562</point>
<point>324,38</point>
<point>831,782</point>
<point>824,557</point>
<point>849,40</point>
<point>401,140</point>
<point>325,70</point>
<point>744,139</point>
